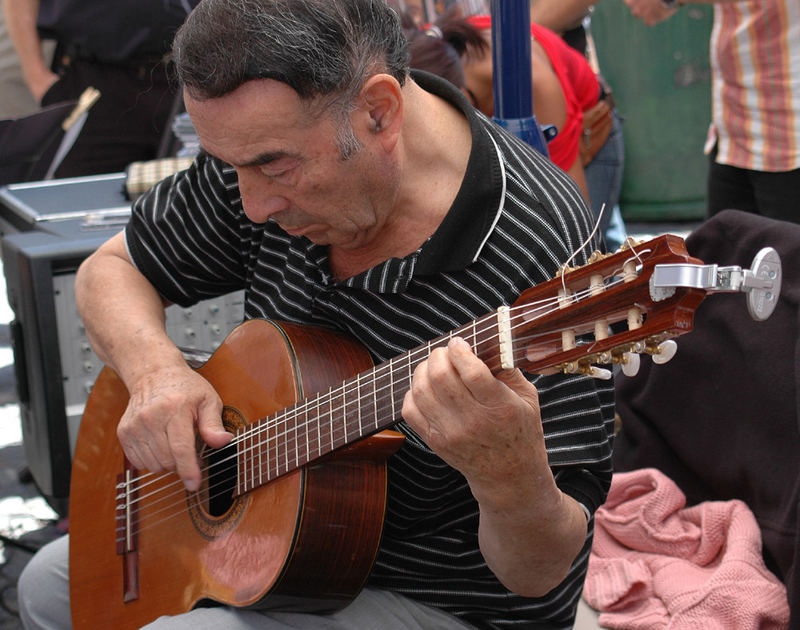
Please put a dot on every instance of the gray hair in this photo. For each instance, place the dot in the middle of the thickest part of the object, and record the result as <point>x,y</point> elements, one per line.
<point>320,48</point>
<point>323,49</point>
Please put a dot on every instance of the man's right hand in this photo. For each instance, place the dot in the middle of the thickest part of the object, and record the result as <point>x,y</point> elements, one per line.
<point>167,409</point>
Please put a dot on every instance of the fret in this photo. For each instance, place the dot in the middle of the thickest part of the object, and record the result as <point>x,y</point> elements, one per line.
<point>330,420</point>
<point>367,405</point>
<point>391,388</point>
<point>257,454</point>
<point>319,435</point>
<point>336,419</point>
<point>292,440</point>
<point>401,382</point>
<point>251,450</point>
<point>307,432</point>
<point>302,453</point>
<point>344,411</point>
<point>382,387</point>
<point>358,404</point>
<point>248,461</point>
<point>375,400</point>
<point>239,462</point>
<point>260,451</point>
<point>272,428</point>
<point>282,446</point>
<point>321,411</point>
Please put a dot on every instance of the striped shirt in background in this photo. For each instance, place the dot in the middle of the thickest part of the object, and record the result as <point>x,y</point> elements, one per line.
<point>755,61</point>
<point>516,219</point>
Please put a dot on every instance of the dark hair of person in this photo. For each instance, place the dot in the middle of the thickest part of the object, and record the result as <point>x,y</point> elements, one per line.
<point>440,48</point>
<point>320,48</point>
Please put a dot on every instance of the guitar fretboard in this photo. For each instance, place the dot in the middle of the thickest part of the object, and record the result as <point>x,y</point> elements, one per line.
<point>360,406</point>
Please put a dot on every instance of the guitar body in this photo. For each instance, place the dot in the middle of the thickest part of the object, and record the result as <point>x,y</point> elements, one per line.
<point>306,540</point>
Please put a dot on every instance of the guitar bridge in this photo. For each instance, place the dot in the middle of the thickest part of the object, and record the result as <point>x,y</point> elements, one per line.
<point>126,527</point>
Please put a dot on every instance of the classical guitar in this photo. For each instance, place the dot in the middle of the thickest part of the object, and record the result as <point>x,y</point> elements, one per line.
<point>290,514</point>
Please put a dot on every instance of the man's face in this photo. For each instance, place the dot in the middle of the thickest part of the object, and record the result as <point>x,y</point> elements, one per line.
<point>290,167</point>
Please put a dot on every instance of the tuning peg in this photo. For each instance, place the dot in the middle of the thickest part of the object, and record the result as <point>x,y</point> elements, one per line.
<point>630,364</point>
<point>600,373</point>
<point>665,351</point>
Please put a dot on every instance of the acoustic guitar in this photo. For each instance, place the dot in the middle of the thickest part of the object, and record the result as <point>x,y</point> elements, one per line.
<point>290,514</point>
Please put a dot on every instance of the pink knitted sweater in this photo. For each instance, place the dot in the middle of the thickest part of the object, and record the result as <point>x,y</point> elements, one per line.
<point>657,564</point>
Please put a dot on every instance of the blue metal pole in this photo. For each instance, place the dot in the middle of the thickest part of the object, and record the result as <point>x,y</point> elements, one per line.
<point>511,59</point>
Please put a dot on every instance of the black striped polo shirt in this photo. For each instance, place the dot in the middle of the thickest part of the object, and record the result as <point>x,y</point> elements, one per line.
<point>516,218</point>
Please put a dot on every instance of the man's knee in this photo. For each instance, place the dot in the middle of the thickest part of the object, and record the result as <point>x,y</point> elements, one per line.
<point>43,587</point>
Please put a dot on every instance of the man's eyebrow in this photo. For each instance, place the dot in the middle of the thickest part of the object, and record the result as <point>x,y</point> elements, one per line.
<point>265,158</point>
<point>259,160</point>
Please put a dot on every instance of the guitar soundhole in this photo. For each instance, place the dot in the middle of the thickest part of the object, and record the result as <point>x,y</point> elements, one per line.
<point>220,480</point>
<point>213,508</point>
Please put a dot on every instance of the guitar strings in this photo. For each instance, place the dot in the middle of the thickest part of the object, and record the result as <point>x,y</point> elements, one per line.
<point>579,249</point>
<point>178,489</point>
<point>423,351</point>
<point>265,427</point>
<point>262,428</point>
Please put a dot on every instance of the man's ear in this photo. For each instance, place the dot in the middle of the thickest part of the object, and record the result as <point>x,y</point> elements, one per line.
<point>381,108</point>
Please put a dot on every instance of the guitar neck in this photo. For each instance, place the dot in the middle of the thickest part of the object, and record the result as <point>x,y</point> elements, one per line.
<point>565,324</point>
<point>360,406</point>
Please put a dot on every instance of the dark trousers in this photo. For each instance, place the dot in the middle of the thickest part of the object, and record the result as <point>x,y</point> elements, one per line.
<point>774,195</point>
<point>125,125</point>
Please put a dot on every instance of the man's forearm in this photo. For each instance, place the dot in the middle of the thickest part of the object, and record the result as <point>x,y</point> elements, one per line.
<point>532,550</point>
<point>123,314</point>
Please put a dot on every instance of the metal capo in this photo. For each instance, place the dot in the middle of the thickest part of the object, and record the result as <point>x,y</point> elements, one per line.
<point>762,282</point>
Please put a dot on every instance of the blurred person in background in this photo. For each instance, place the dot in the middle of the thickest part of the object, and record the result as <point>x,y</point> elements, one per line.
<point>602,144</point>
<point>121,49</point>
<point>754,136</point>
<point>563,84</point>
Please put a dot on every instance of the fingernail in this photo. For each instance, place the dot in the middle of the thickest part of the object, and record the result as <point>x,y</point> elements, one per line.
<point>455,341</point>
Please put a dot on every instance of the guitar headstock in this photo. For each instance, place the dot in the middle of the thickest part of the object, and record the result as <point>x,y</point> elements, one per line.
<point>622,305</point>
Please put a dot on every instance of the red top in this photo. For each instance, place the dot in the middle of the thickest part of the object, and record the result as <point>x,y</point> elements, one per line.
<point>578,82</point>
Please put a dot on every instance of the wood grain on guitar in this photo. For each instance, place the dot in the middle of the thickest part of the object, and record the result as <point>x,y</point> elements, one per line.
<point>290,514</point>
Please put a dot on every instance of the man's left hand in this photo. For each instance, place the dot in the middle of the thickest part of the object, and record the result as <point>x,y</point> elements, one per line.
<point>487,427</point>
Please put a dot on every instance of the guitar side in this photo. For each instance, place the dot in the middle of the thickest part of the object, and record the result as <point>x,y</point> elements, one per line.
<point>304,541</point>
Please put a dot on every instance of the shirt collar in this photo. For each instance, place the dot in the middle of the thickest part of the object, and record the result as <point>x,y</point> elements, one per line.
<point>458,241</point>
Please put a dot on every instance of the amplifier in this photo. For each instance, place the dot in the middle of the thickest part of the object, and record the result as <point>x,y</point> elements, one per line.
<point>48,229</point>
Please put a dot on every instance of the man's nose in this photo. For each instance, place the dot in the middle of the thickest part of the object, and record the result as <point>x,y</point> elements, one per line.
<point>261,198</point>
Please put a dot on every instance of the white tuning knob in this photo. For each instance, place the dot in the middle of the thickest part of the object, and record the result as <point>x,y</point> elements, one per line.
<point>666,350</point>
<point>602,373</point>
<point>630,364</point>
